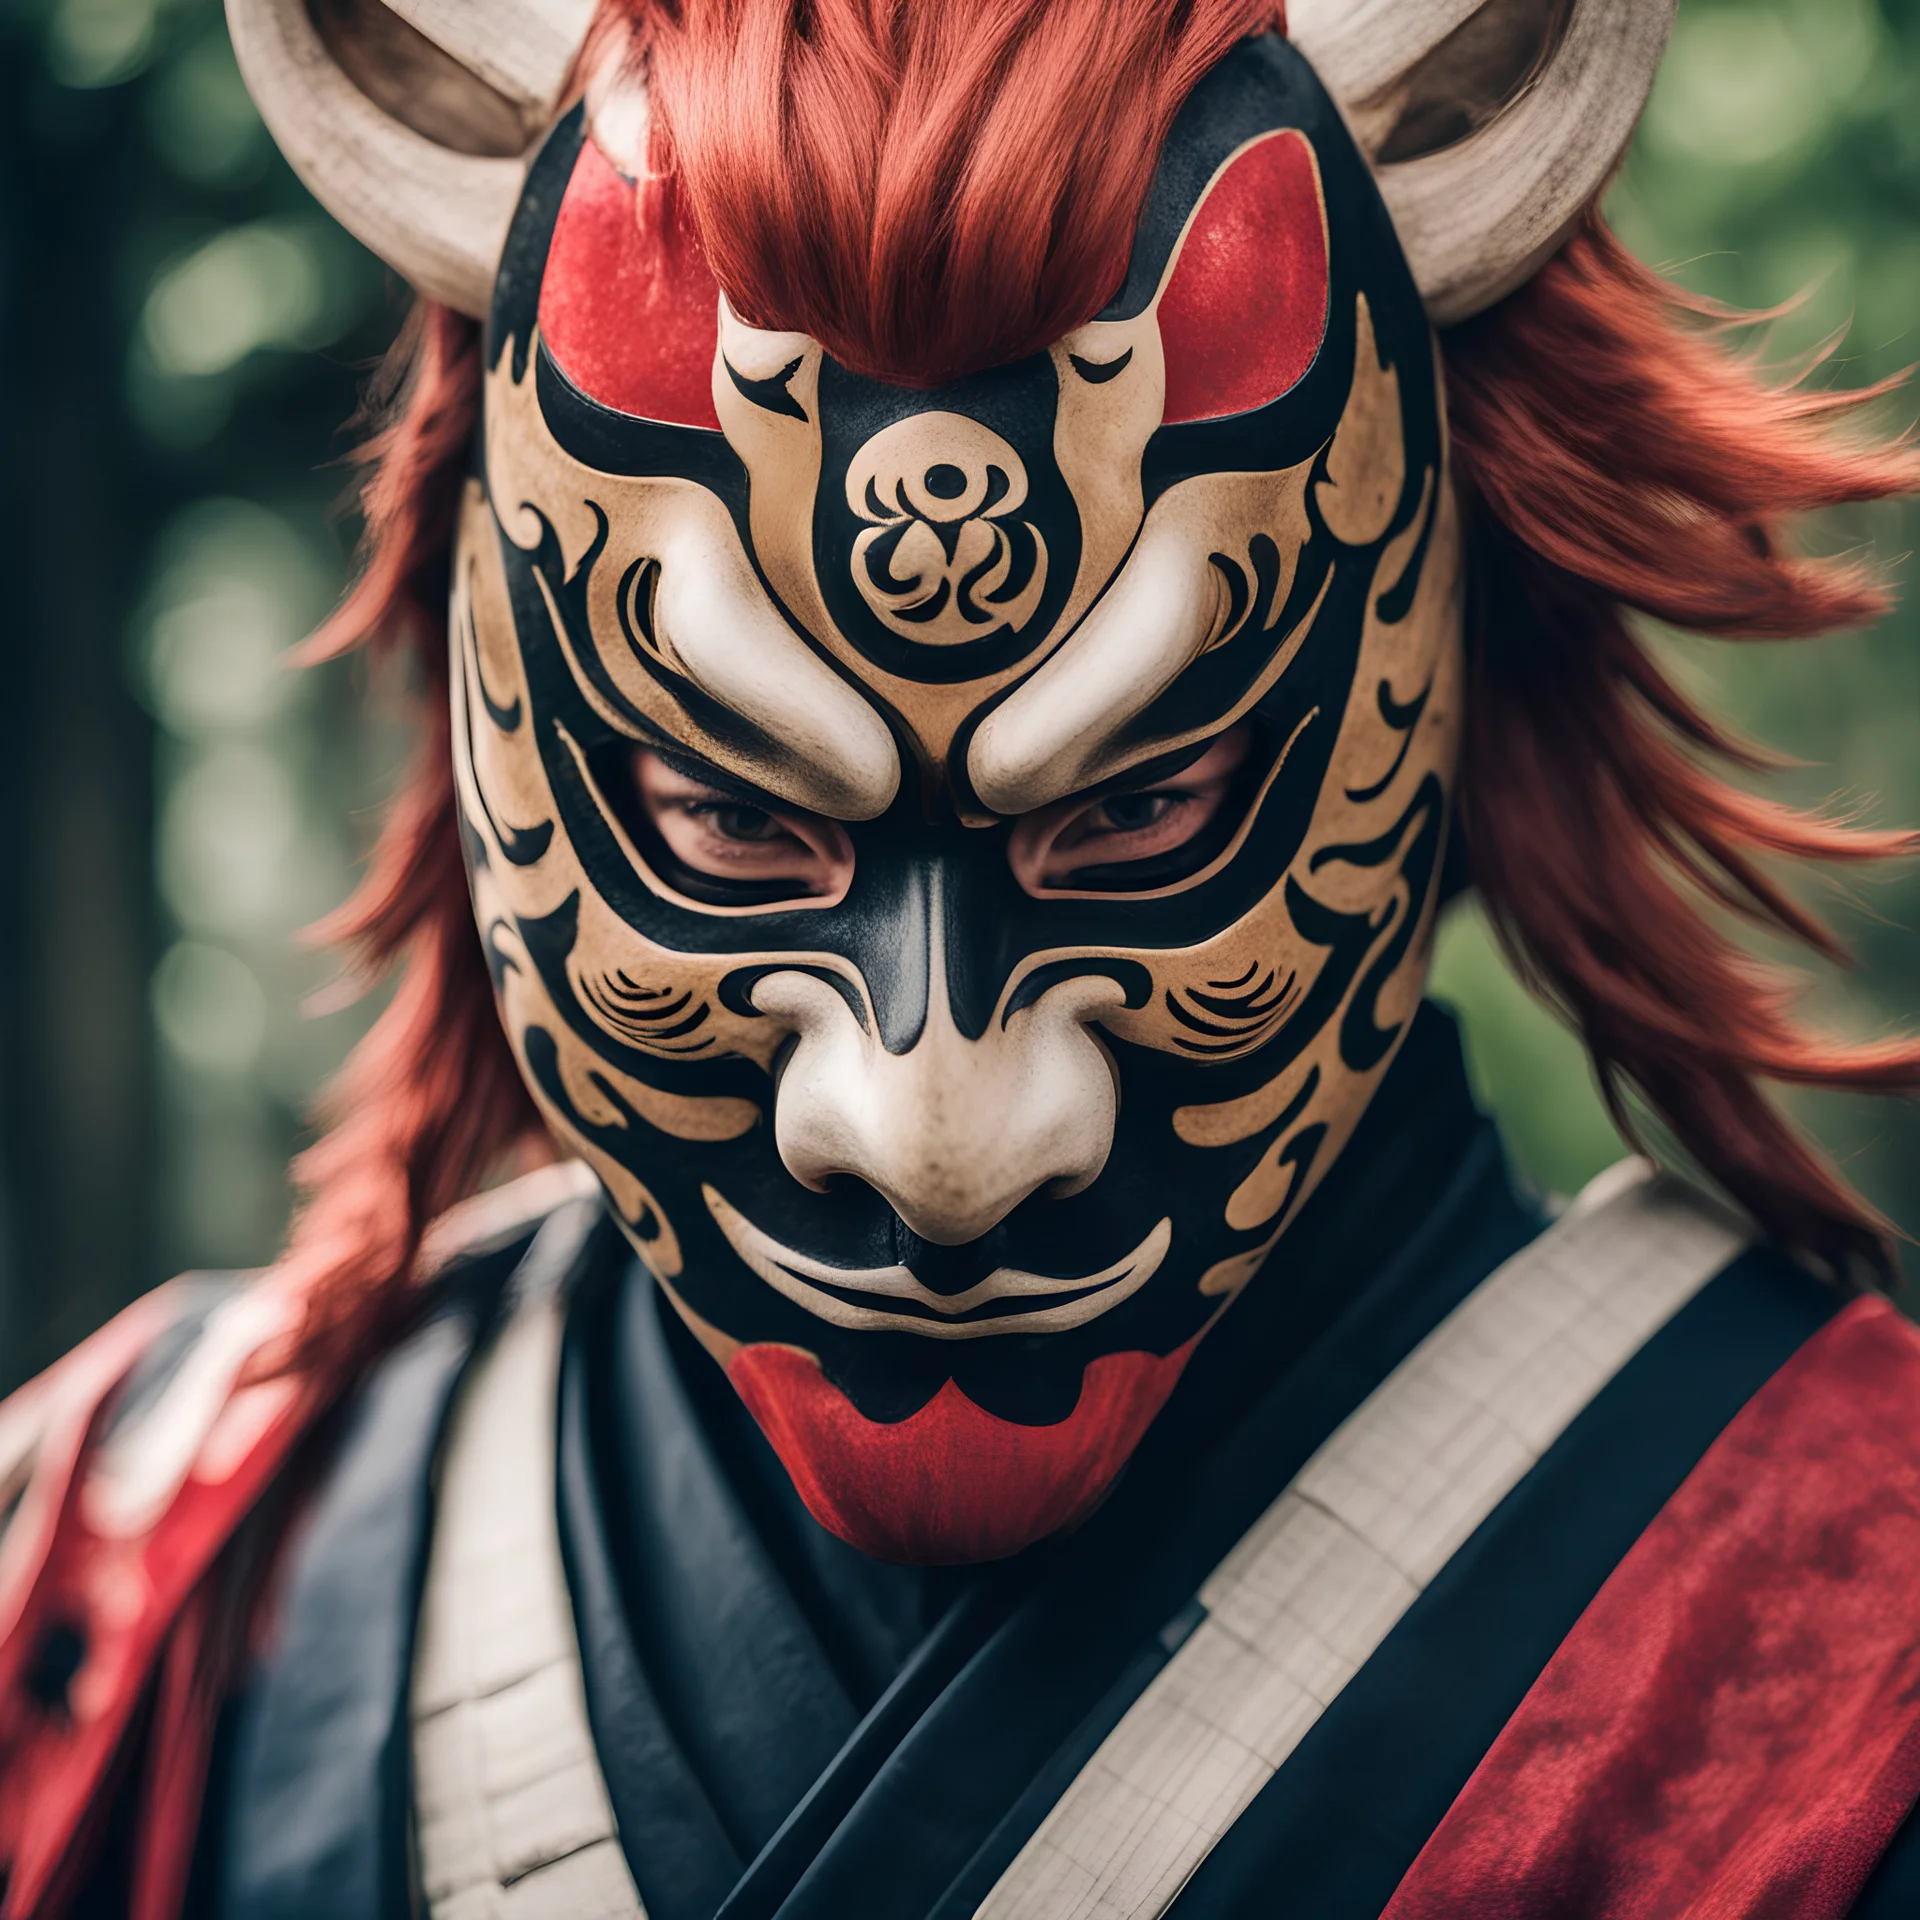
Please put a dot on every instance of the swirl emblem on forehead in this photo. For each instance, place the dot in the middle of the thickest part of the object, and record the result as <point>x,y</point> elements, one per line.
<point>946,556</point>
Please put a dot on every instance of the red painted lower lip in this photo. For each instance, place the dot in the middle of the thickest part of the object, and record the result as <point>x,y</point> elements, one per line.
<point>951,1483</point>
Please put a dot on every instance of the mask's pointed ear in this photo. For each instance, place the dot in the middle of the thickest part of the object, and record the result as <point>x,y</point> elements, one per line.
<point>411,120</point>
<point>1489,124</point>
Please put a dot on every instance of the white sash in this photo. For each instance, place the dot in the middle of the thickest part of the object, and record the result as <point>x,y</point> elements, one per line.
<point>512,1816</point>
<point>1294,1611</point>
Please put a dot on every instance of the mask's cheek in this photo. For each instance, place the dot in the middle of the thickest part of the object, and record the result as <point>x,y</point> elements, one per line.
<point>952,1483</point>
<point>588,1003</point>
<point>590,1110</point>
<point>1325,973</point>
<point>586,1069</point>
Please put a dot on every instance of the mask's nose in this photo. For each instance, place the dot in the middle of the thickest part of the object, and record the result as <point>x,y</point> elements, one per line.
<point>953,1133</point>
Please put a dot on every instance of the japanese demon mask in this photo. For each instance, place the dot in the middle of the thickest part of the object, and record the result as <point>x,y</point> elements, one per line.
<point>958,863</point>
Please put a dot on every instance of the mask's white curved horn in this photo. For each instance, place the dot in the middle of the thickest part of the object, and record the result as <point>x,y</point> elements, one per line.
<point>523,48</point>
<point>424,158</point>
<point>1489,124</point>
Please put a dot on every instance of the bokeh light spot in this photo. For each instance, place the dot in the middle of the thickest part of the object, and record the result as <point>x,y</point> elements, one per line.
<point>99,43</point>
<point>228,857</point>
<point>203,123</point>
<point>251,287</point>
<point>210,1009</point>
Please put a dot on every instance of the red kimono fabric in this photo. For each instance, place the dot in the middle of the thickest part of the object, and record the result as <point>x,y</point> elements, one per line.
<point>1732,1730</point>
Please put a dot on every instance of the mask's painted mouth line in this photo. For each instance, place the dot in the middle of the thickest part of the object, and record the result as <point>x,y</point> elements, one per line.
<point>1008,1300</point>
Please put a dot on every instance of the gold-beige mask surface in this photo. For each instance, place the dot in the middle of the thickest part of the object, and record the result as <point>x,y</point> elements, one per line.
<point>952,1148</point>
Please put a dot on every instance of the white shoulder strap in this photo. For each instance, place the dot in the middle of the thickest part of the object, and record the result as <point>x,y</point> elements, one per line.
<point>1323,1576</point>
<point>513,1820</point>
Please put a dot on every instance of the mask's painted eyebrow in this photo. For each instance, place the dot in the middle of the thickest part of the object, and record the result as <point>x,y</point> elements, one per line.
<point>690,766</point>
<point>1169,766</point>
<point>1164,767</point>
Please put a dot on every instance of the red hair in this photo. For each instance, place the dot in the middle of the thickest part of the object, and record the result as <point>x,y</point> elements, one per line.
<point>1613,455</point>
<point>924,187</point>
<point>929,188</point>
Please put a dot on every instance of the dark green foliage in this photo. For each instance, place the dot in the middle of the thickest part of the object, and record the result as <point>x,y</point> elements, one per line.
<point>184,335</point>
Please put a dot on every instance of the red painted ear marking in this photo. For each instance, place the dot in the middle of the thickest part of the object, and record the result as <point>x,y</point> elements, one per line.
<point>1244,307</point>
<point>631,317</point>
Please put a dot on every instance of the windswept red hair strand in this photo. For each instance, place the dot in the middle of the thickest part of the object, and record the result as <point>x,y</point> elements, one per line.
<point>1614,456</point>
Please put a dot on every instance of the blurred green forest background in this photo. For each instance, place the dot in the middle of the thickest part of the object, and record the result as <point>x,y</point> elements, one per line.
<point>185,335</point>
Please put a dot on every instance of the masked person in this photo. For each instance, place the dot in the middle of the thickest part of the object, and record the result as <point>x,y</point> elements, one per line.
<point>970,620</point>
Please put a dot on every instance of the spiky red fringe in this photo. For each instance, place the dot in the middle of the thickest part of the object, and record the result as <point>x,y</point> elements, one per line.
<point>929,188</point>
<point>926,188</point>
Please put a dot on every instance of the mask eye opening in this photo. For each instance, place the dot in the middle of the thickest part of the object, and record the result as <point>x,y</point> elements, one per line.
<point>734,808</point>
<point>1122,814</point>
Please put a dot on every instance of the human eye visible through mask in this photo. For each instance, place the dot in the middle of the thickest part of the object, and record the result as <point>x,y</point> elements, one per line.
<point>1146,836</point>
<point>715,832</point>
